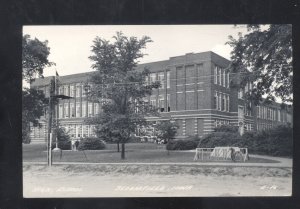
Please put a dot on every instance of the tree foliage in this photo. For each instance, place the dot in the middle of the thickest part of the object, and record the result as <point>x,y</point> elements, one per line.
<point>33,102</point>
<point>120,87</point>
<point>264,56</point>
<point>166,130</point>
<point>34,60</point>
<point>34,57</point>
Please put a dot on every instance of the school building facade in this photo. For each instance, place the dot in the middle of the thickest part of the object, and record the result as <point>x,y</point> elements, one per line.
<point>195,92</point>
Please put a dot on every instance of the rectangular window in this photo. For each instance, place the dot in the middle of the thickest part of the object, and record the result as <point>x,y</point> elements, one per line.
<point>78,112</point>
<point>220,101</point>
<point>152,77</point>
<point>224,103</point>
<point>78,130</point>
<point>224,77</point>
<point>216,102</point>
<point>71,91</point>
<point>83,109</point>
<point>66,90</point>
<point>220,76</point>
<point>216,75</point>
<point>72,110</point>
<point>162,103</point>
<point>153,101</point>
<point>240,93</point>
<point>168,79</point>
<point>85,131</point>
<point>161,79</point>
<point>180,77</point>
<point>96,108</point>
<point>60,111</point>
<point>90,109</point>
<point>66,110</point>
<point>190,74</point>
<point>228,105</point>
<point>61,90</point>
<point>168,103</point>
<point>227,80</point>
<point>78,91</point>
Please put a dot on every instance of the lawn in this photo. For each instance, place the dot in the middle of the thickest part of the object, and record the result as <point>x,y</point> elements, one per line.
<point>135,153</point>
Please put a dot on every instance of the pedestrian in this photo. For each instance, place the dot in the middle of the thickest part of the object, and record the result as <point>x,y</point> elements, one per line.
<point>76,144</point>
<point>73,144</point>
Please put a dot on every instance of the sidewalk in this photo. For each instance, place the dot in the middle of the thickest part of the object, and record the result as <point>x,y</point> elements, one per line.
<point>282,163</point>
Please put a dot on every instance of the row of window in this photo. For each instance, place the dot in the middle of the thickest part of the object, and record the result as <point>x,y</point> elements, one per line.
<point>221,77</point>
<point>242,91</point>
<point>190,75</point>
<point>38,132</point>
<point>77,131</point>
<point>160,76</point>
<point>221,101</point>
<point>269,113</point>
<point>159,102</point>
<point>78,109</point>
<point>74,90</point>
<point>248,110</point>
<point>264,126</point>
<point>219,122</point>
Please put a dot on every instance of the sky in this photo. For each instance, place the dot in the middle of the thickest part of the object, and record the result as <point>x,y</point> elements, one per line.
<point>70,46</point>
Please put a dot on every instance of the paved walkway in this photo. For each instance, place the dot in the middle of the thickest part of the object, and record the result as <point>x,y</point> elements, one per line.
<point>282,163</point>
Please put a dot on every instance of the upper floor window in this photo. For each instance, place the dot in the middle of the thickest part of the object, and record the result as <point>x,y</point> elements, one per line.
<point>90,109</point>
<point>66,90</point>
<point>190,74</point>
<point>78,91</point>
<point>216,75</point>
<point>152,77</point>
<point>161,78</point>
<point>61,90</point>
<point>72,110</point>
<point>66,107</point>
<point>168,79</point>
<point>153,101</point>
<point>71,91</point>
<point>227,84</point>
<point>168,103</point>
<point>60,111</point>
<point>240,94</point>
<point>162,103</point>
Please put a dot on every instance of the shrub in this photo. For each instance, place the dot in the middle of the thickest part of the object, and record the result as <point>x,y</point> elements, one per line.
<point>277,141</point>
<point>91,144</point>
<point>219,139</point>
<point>227,128</point>
<point>183,144</point>
<point>64,141</point>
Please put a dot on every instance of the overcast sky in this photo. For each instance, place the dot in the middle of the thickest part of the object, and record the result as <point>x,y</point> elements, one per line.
<point>70,46</point>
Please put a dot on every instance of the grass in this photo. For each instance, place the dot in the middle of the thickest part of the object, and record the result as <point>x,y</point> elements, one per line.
<point>135,153</point>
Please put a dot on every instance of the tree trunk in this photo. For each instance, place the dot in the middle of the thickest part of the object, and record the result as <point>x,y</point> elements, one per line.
<point>123,151</point>
<point>118,143</point>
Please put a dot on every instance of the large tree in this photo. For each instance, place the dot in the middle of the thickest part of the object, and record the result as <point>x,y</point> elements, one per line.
<point>34,59</point>
<point>264,56</point>
<point>120,86</point>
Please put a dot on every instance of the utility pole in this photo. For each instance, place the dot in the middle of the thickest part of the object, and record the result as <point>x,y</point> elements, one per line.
<point>49,142</point>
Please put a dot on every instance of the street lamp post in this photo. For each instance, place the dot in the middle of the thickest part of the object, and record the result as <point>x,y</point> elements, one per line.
<point>52,98</point>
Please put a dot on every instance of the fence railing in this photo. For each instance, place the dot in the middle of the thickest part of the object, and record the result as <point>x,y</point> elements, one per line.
<point>222,154</point>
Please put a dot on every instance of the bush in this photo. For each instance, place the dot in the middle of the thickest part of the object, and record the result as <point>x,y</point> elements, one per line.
<point>91,144</point>
<point>183,144</point>
<point>227,128</point>
<point>64,141</point>
<point>277,141</point>
<point>220,139</point>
